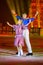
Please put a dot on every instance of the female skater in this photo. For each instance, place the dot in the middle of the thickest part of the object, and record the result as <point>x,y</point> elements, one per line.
<point>19,40</point>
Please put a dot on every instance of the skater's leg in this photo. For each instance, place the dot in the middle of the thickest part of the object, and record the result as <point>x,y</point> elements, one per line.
<point>20,49</point>
<point>28,42</point>
<point>18,54</point>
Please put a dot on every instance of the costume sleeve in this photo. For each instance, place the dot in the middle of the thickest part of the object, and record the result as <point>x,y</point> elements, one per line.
<point>18,17</point>
<point>32,19</point>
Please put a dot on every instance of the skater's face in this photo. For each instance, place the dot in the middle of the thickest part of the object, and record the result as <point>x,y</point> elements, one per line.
<point>19,22</point>
<point>24,15</point>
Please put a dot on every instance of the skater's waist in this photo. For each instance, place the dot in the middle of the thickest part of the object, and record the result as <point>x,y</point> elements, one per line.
<point>26,27</point>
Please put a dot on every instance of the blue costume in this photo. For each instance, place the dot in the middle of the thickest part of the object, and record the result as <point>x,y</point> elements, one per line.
<point>25,21</point>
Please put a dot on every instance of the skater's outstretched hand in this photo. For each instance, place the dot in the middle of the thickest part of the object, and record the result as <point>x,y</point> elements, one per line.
<point>36,14</point>
<point>13,12</point>
<point>9,24</point>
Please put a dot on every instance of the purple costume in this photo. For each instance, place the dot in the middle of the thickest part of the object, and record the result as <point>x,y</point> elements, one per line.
<point>19,35</point>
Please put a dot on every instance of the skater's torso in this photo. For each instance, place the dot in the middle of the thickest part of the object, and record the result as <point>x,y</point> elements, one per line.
<point>18,29</point>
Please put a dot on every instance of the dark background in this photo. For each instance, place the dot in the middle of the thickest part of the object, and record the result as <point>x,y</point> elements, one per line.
<point>5,13</point>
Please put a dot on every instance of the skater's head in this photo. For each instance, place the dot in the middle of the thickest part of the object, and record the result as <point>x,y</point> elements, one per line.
<point>24,15</point>
<point>19,22</point>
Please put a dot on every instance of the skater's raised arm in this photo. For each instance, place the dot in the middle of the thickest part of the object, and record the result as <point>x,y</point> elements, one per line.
<point>32,19</point>
<point>9,24</point>
<point>14,13</point>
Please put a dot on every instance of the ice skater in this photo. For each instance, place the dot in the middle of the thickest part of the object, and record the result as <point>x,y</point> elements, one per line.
<point>19,39</point>
<point>26,21</point>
